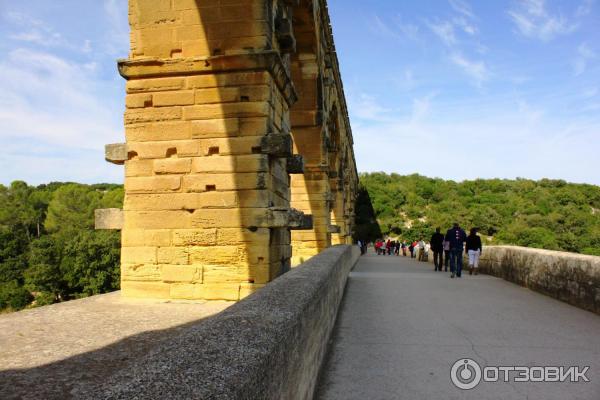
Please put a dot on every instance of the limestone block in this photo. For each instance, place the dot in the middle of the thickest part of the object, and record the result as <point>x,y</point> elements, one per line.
<point>173,166</point>
<point>181,273</point>
<point>215,128</point>
<point>138,255</point>
<point>109,219</point>
<point>154,85</point>
<point>198,183</point>
<point>116,153</point>
<point>221,291</point>
<point>156,290</point>
<point>186,291</point>
<point>141,272</point>
<point>152,184</point>
<point>175,130</point>
<point>177,98</point>
<point>137,168</point>
<point>173,255</point>
<point>195,237</point>
<point>138,115</point>
<point>242,163</point>
<point>277,145</point>
<point>224,110</point>
<point>146,237</point>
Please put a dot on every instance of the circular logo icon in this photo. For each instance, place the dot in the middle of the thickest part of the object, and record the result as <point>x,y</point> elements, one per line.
<point>465,374</point>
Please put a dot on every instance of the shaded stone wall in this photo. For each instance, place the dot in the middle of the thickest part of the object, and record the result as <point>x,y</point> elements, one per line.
<point>269,346</point>
<point>569,277</point>
<point>226,99</point>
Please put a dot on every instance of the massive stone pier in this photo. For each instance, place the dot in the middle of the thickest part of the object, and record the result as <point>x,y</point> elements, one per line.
<point>226,100</point>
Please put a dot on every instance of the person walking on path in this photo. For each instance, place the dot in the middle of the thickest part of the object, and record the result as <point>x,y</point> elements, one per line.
<point>473,250</point>
<point>456,236</point>
<point>446,254</point>
<point>437,246</point>
<point>404,247</point>
<point>421,250</point>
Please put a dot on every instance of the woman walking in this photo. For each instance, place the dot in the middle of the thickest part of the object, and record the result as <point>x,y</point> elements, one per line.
<point>473,250</point>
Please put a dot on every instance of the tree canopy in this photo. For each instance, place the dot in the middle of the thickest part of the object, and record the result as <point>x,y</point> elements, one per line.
<point>548,214</point>
<point>48,249</point>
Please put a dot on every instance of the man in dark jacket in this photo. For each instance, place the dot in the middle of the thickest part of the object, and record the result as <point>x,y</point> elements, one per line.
<point>437,246</point>
<point>456,236</point>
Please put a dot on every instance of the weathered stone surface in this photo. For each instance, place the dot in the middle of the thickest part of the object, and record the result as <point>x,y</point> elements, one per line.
<point>268,346</point>
<point>116,153</point>
<point>49,351</point>
<point>108,219</point>
<point>572,278</point>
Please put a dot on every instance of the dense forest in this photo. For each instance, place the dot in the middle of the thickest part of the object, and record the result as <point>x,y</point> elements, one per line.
<point>49,250</point>
<point>547,214</point>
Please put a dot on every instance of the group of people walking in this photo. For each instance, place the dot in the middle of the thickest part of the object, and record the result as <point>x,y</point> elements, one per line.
<point>447,249</point>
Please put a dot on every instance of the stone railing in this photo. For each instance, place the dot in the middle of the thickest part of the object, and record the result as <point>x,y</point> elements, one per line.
<point>269,346</point>
<point>569,277</point>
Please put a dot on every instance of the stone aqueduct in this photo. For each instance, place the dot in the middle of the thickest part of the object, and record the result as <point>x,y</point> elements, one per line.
<point>238,155</point>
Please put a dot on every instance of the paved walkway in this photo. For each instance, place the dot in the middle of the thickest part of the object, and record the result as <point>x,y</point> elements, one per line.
<point>402,326</point>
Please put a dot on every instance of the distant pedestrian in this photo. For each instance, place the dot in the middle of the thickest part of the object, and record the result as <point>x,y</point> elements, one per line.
<point>473,250</point>
<point>421,250</point>
<point>437,246</point>
<point>456,236</point>
<point>446,254</point>
<point>404,248</point>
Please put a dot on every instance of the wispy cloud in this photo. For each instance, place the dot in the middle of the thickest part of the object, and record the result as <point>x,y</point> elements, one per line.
<point>584,55</point>
<point>476,70</point>
<point>38,32</point>
<point>585,8</point>
<point>532,19</point>
<point>445,31</point>
<point>398,29</point>
<point>462,7</point>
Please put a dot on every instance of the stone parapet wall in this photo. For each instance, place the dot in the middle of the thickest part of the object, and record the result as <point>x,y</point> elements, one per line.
<point>269,346</point>
<point>572,278</point>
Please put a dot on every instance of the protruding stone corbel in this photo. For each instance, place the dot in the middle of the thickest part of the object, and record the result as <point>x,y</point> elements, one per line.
<point>109,219</point>
<point>295,164</point>
<point>285,35</point>
<point>277,145</point>
<point>299,221</point>
<point>116,153</point>
<point>287,218</point>
<point>334,229</point>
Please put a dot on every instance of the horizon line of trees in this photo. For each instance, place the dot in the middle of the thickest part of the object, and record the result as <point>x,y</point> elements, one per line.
<point>548,214</point>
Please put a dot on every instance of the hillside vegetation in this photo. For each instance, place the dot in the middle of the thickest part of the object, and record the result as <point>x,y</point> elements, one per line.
<point>49,250</point>
<point>547,214</point>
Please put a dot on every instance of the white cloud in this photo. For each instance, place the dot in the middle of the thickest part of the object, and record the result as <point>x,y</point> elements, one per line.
<point>366,107</point>
<point>466,26</point>
<point>462,7</point>
<point>399,30</point>
<point>584,55</point>
<point>533,20</point>
<point>445,31</point>
<point>477,70</point>
<point>47,99</point>
<point>585,8</point>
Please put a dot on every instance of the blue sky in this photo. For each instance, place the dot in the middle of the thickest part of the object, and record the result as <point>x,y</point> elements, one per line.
<point>450,88</point>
